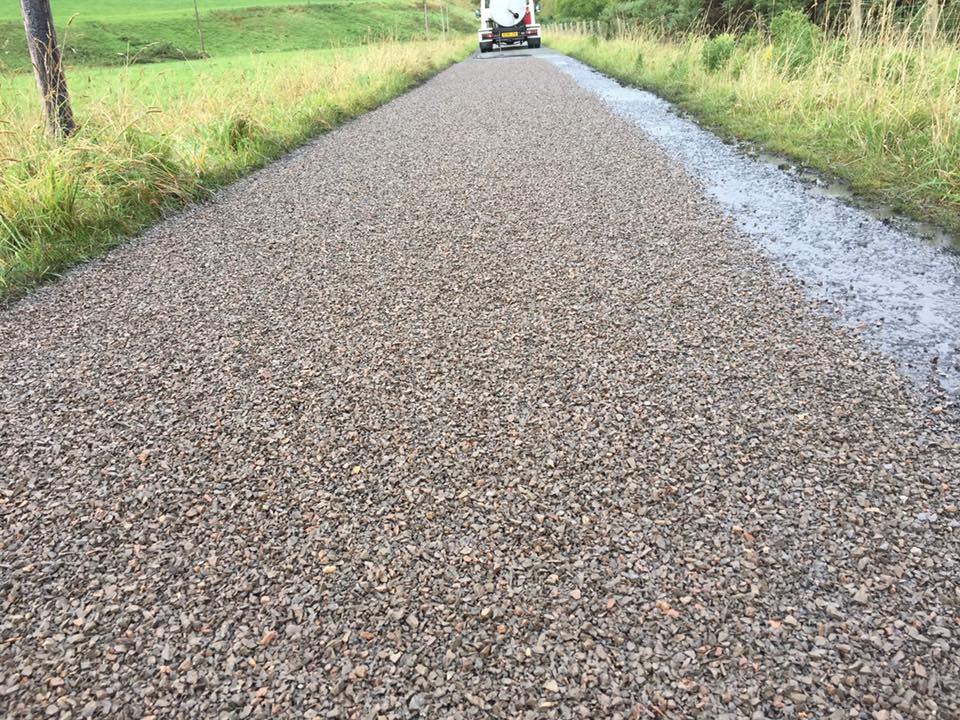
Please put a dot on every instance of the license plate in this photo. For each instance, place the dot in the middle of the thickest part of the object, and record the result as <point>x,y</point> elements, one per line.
<point>510,34</point>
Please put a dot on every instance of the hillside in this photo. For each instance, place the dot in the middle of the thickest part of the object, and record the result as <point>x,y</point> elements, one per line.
<point>111,32</point>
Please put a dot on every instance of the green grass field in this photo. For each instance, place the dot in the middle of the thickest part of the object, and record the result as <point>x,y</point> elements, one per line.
<point>120,32</point>
<point>127,9</point>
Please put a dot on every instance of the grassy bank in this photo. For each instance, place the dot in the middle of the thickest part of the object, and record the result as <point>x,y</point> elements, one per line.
<point>154,137</point>
<point>111,32</point>
<point>883,114</point>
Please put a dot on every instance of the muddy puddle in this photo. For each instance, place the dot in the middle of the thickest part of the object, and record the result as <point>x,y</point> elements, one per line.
<point>895,280</point>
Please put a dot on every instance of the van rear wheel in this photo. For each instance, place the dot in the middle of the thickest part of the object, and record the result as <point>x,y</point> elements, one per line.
<point>533,42</point>
<point>486,47</point>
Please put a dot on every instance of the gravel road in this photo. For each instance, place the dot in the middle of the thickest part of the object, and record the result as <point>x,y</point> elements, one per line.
<point>476,407</point>
<point>901,292</point>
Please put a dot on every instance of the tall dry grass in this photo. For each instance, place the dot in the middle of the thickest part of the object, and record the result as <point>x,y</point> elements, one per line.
<point>152,138</point>
<point>878,106</point>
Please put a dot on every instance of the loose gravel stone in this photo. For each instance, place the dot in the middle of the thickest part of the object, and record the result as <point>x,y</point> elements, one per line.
<point>474,407</point>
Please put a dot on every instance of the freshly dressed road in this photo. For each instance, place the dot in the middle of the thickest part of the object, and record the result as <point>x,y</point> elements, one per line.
<point>475,407</point>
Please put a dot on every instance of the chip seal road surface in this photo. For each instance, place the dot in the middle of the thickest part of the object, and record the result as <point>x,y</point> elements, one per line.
<point>330,447</point>
<point>902,293</point>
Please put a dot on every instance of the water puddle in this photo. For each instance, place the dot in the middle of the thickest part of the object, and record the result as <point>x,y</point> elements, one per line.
<point>896,280</point>
<point>819,184</point>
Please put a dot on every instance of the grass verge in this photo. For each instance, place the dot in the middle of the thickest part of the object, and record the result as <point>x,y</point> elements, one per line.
<point>107,32</point>
<point>156,137</point>
<point>883,114</point>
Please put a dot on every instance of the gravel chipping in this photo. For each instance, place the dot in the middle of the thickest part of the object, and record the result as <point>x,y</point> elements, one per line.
<point>476,407</point>
<point>903,294</point>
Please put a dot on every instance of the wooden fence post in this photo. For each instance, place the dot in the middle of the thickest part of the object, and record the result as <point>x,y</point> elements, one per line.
<point>48,66</point>
<point>931,21</point>
<point>855,25</point>
<point>196,14</point>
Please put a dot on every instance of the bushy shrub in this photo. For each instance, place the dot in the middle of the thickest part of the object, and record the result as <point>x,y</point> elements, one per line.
<point>678,16</point>
<point>579,9</point>
<point>796,40</point>
<point>768,8</point>
<point>678,70</point>
<point>749,40</point>
<point>671,15</point>
<point>739,63</point>
<point>163,51</point>
<point>838,51</point>
<point>896,66</point>
<point>718,51</point>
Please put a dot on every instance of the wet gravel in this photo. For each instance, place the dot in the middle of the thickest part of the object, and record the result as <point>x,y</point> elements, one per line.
<point>903,294</point>
<point>476,407</point>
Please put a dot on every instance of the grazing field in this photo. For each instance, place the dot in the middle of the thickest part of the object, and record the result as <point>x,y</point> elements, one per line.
<point>110,32</point>
<point>153,137</point>
<point>106,9</point>
<point>883,113</point>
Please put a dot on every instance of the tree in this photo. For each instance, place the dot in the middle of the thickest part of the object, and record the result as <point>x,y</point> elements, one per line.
<point>48,66</point>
